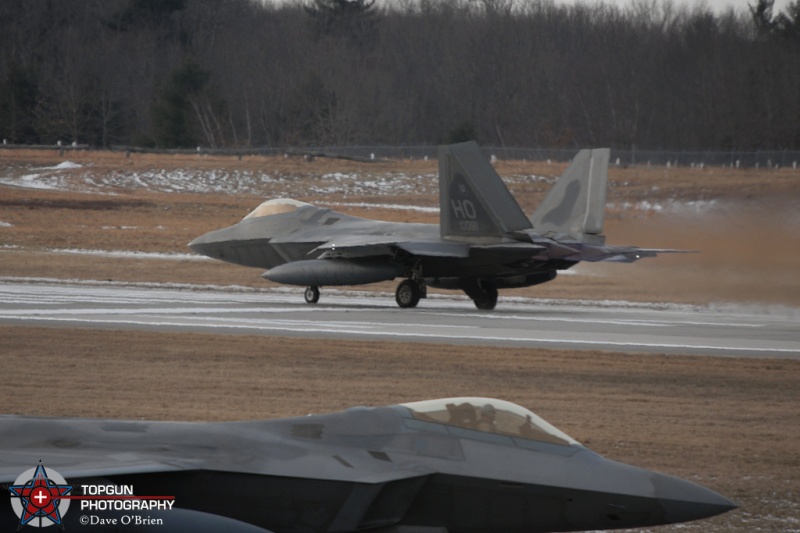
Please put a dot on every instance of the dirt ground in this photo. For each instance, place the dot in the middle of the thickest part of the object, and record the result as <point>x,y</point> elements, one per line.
<point>729,424</point>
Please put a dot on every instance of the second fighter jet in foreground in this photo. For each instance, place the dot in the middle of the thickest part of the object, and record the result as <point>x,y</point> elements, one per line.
<point>458,465</point>
<point>484,242</point>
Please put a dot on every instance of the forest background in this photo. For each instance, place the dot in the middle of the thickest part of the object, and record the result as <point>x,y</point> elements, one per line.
<point>245,73</point>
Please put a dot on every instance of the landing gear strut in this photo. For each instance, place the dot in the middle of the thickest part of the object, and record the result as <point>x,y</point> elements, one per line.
<point>311,295</point>
<point>409,292</point>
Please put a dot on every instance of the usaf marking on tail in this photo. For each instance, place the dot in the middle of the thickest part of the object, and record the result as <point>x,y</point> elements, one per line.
<point>484,241</point>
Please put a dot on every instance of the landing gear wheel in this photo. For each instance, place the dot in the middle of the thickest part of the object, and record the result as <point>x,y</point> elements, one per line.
<point>408,293</point>
<point>488,301</point>
<point>311,295</point>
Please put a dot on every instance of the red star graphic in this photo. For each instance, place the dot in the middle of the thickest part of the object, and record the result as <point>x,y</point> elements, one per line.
<point>40,497</point>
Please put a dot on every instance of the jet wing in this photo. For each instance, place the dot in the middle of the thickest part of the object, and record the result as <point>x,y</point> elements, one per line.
<point>435,249</point>
<point>221,475</point>
<point>88,448</point>
<point>358,246</point>
<point>82,465</point>
<point>511,248</point>
<point>100,463</point>
<point>83,448</point>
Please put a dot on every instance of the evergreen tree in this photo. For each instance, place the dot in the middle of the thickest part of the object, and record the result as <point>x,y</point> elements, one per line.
<point>172,112</point>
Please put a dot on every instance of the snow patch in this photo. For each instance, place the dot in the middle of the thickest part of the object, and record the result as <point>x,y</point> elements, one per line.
<point>391,185</point>
<point>65,165</point>
<point>130,255</point>
<point>36,181</point>
<point>671,206</point>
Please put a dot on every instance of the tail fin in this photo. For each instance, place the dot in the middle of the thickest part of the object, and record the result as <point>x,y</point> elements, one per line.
<point>575,206</point>
<point>473,200</point>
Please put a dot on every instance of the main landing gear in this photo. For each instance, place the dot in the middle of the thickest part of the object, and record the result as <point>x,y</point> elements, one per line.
<point>483,294</point>
<point>488,301</point>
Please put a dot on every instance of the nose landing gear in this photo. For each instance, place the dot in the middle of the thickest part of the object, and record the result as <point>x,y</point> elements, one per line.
<point>311,295</point>
<point>409,292</point>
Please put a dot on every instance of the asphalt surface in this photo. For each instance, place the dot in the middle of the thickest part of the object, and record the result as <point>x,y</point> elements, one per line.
<point>615,326</point>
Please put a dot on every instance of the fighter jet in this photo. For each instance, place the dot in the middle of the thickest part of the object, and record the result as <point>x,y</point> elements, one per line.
<point>484,241</point>
<point>450,465</point>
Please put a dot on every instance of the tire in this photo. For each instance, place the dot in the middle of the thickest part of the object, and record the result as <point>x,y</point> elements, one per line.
<point>311,295</point>
<point>489,300</point>
<point>408,294</point>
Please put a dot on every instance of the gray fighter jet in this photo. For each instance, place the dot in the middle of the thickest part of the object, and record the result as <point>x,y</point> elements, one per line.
<point>484,242</point>
<point>453,465</point>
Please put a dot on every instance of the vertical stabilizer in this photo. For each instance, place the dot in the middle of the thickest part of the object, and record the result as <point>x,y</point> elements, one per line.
<point>473,200</point>
<point>575,206</point>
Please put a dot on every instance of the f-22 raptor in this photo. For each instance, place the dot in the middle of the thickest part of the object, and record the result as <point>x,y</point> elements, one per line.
<point>457,465</point>
<point>484,241</point>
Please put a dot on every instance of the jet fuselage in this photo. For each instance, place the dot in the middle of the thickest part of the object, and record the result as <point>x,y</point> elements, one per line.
<point>270,241</point>
<point>455,465</point>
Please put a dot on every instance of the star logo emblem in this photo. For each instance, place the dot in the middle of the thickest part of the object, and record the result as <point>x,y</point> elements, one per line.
<point>39,497</point>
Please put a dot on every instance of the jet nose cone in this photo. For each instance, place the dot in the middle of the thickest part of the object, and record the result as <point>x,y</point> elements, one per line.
<point>211,244</point>
<point>683,501</point>
<point>201,245</point>
<point>198,244</point>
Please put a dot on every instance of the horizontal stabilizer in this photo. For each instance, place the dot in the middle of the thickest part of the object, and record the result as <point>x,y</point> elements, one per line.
<point>641,253</point>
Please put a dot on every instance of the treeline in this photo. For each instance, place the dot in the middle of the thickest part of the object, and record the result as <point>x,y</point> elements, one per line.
<point>242,73</point>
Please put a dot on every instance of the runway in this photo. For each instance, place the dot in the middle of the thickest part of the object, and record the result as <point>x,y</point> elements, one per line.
<point>615,326</point>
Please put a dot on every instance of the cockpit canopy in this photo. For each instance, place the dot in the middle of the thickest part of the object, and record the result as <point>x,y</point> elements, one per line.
<point>490,416</point>
<point>275,207</point>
